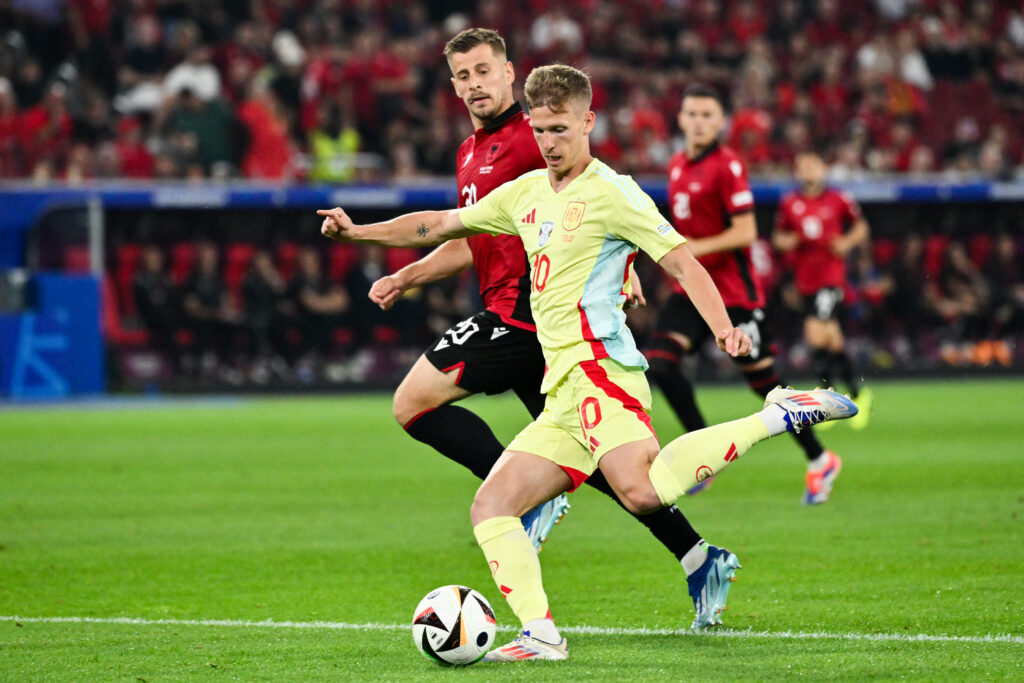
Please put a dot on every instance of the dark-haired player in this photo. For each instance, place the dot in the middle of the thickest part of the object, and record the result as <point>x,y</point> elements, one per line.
<point>819,226</point>
<point>711,204</point>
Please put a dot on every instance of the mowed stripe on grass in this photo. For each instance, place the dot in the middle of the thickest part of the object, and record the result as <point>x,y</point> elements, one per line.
<point>569,630</point>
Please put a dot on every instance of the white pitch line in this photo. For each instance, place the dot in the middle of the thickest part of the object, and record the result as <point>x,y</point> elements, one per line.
<point>582,630</point>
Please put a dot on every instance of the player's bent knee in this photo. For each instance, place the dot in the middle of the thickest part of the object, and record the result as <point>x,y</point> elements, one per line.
<point>641,499</point>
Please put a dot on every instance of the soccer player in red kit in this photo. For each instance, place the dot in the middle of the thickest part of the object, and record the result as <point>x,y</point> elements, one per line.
<point>819,226</point>
<point>711,204</point>
<point>496,349</point>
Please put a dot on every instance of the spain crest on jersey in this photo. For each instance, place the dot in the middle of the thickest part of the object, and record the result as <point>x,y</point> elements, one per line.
<point>573,217</point>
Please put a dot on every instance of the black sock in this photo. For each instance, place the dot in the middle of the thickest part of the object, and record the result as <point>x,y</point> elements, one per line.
<point>809,442</point>
<point>668,524</point>
<point>844,368</point>
<point>821,365</point>
<point>764,380</point>
<point>678,391</point>
<point>458,435</point>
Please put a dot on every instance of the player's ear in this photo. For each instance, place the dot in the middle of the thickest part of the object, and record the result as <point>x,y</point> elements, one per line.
<point>588,122</point>
<point>510,73</point>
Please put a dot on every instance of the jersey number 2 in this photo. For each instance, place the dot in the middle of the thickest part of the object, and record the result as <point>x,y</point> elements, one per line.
<point>469,192</point>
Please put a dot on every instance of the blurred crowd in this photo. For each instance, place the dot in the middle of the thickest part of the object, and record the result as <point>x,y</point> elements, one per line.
<point>342,90</point>
<point>299,314</point>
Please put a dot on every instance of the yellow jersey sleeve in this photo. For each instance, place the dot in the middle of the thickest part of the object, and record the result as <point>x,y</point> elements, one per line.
<point>492,213</point>
<point>640,223</point>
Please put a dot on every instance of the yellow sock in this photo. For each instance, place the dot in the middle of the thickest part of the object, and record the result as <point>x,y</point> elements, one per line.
<point>514,565</point>
<point>694,457</point>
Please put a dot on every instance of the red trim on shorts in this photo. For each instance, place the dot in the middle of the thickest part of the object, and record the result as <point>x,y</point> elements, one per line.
<point>599,376</point>
<point>416,417</point>
<point>588,334</point>
<point>461,365</point>
<point>576,476</point>
<point>515,323</point>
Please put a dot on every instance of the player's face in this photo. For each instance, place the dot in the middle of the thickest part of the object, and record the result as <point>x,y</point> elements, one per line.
<point>483,80</point>
<point>809,170</point>
<point>701,119</point>
<point>562,135</point>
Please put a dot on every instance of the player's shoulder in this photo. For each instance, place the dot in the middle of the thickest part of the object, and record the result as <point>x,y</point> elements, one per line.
<point>788,199</point>
<point>618,186</point>
<point>730,159</point>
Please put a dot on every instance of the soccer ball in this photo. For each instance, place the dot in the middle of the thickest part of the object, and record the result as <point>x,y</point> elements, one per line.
<point>453,626</point>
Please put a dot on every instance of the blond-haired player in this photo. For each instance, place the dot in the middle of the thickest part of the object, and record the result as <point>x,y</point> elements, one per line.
<point>589,223</point>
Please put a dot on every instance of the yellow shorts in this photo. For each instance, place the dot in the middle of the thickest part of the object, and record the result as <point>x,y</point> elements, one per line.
<point>598,406</point>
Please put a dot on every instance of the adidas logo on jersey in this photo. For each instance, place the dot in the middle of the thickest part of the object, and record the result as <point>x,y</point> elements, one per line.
<point>531,217</point>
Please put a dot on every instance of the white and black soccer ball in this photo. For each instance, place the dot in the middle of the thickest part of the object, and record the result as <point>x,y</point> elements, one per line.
<point>453,626</point>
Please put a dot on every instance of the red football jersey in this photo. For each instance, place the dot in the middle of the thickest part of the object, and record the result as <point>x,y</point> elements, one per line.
<point>704,193</point>
<point>817,221</point>
<point>499,152</point>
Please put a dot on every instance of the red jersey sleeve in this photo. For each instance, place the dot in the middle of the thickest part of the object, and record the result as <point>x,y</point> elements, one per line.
<point>850,209</point>
<point>784,216</point>
<point>736,194</point>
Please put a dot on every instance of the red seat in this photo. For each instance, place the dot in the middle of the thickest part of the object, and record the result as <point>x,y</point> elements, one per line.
<point>126,262</point>
<point>287,255</point>
<point>884,250</point>
<point>111,323</point>
<point>237,258</point>
<point>979,247</point>
<point>76,258</point>
<point>934,251</point>
<point>339,259</point>
<point>396,258</point>
<point>183,258</point>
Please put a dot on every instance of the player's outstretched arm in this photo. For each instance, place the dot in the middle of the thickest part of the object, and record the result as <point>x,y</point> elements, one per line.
<point>448,259</point>
<point>857,235</point>
<point>680,264</point>
<point>419,229</point>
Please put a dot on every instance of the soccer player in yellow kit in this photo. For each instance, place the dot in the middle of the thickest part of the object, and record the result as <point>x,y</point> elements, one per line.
<point>581,224</point>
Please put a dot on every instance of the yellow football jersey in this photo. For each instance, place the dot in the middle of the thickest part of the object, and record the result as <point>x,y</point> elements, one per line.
<point>580,243</point>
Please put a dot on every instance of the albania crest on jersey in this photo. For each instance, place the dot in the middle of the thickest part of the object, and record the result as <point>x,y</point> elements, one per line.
<point>545,232</point>
<point>492,152</point>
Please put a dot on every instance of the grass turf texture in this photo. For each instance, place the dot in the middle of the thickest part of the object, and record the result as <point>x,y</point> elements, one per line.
<point>321,509</point>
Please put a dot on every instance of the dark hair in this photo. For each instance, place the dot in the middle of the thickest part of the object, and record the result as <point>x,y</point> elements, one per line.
<point>470,38</point>
<point>703,90</point>
<point>555,85</point>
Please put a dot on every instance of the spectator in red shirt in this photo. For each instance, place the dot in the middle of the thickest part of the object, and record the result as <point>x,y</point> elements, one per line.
<point>10,164</point>
<point>270,151</point>
<point>46,128</point>
<point>136,161</point>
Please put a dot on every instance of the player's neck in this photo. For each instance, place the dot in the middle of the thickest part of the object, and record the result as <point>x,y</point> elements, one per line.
<point>694,150</point>
<point>560,182</point>
<point>481,123</point>
<point>812,191</point>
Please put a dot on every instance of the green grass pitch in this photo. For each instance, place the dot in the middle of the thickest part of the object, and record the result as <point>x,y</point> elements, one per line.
<point>190,520</point>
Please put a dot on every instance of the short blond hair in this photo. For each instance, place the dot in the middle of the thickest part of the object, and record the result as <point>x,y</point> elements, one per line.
<point>466,40</point>
<point>556,85</point>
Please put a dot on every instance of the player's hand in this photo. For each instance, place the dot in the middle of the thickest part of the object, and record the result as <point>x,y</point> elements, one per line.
<point>785,241</point>
<point>386,291</point>
<point>337,225</point>
<point>734,342</point>
<point>635,298</point>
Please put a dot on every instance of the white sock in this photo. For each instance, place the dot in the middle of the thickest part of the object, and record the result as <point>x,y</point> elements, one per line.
<point>694,557</point>
<point>774,418</point>
<point>818,463</point>
<point>543,629</point>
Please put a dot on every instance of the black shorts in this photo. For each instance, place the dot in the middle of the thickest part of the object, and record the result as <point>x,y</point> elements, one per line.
<point>825,304</point>
<point>489,355</point>
<point>679,315</point>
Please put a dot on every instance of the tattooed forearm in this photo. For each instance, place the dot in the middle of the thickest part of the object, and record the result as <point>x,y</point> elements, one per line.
<point>422,230</point>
